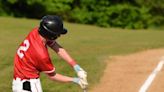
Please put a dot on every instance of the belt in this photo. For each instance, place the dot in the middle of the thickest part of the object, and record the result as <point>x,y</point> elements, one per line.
<point>24,78</point>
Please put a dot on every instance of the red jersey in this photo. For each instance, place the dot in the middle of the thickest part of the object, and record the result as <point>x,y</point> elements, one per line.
<point>32,57</point>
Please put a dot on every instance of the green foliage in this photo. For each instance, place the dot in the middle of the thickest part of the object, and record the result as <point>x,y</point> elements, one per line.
<point>81,15</point>
<point>133,14</point>
<point>59,7</point>
<point>156,9</point>
<point>118,13</point>
<point>3,10</point>
<point>12,1</point>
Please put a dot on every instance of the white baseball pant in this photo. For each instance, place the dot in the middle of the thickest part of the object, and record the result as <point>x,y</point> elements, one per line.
<point>18,85</point>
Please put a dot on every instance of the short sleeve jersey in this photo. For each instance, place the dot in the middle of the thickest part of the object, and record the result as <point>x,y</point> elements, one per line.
<point>32,57</point>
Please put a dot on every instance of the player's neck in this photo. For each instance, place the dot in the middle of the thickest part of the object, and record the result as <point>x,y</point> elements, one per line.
<point>43,39</point>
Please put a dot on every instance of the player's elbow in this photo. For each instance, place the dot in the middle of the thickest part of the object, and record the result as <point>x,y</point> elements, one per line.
<point>51,76</point>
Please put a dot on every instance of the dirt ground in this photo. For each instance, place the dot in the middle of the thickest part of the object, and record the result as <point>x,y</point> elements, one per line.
<point>129,72</point>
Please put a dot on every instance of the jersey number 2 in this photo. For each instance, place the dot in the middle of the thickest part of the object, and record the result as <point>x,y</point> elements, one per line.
<point>23,48</point>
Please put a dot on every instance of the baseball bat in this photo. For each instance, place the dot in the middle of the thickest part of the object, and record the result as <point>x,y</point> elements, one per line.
<point>84,90</point>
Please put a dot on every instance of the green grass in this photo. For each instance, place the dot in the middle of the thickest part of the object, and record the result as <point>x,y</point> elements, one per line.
<point>89,45</point>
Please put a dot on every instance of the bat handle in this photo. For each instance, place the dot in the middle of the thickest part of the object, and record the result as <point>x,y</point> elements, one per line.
<point>84,90</point>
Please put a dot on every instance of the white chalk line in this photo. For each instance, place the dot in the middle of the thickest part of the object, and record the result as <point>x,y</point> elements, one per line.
<point>151,77</point>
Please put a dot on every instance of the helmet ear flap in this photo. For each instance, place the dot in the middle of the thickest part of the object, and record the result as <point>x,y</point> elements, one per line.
<point>46,34</point>
<point>64,31</point>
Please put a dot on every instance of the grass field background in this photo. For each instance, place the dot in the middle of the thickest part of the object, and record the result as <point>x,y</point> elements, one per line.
<point>89,45</point>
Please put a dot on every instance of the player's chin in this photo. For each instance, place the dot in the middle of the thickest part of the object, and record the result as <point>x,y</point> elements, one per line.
<point>52,39</point>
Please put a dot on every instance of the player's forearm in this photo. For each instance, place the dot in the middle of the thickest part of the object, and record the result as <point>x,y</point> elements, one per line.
<point>61,78</point>
<point>64,54</point>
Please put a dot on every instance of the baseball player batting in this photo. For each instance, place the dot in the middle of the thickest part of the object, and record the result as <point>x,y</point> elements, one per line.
<point>32,57</point>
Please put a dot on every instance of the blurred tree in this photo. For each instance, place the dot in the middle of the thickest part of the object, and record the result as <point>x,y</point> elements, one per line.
<point>26,8</point>
<point>58,7</point>
<point>116,13</point>
<point>156,10</point>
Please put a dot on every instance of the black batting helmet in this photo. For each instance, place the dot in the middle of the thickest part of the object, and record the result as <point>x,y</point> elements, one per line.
<point>51,27</point>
